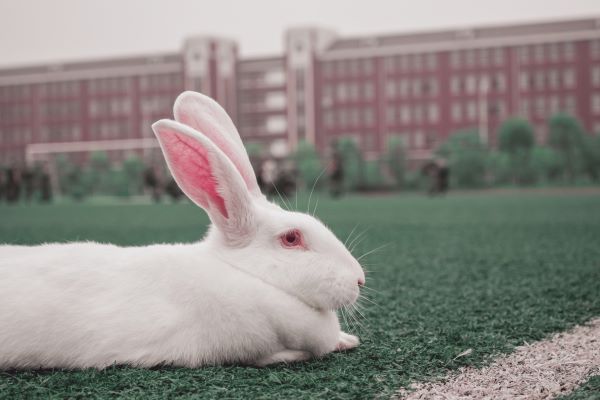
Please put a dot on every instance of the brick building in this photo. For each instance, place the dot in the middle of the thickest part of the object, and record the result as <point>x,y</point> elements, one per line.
<point>420,86</point>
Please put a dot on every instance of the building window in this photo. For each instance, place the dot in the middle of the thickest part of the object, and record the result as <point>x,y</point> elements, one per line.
<point>569,50</point>
<point>596,75</point>
<point>417,63</point>
<point>354,117</point>
<point>569,78</point>
<point>539,80</point>
<point>570,105</point>
<point>540,109</point>
<point>275,100</point>
<point>418,114</point>
<point>368,117</point>
<point>404,87</point>
<point>276,124</point>
<point>328,119</point>
<point>405,114</point>
<point>367,66</point>
<point>483,57</point>
<point>369,90</point>
<point>498,56</point>
<point>498,82</point>
<point>595,48</point>
<point>390,89</point>
<point>553,52</point>
<point>431,61</point>
<point>525,107</point>
<point>523,81</point>
<point>524,54</point>
<point>469,58</point>
<point>471,84</point>
<point>416,87</point>
<point>471,111</point>
<point>553,79</point>
<point>390,115</point>
<point>433,113</point>
<point>353,91</point>
<point>456,112</point>
<point>455,85</point>
<point>596,103</point>
<point>538,52</point>
<point>341,92</point>
<point>455,59</point>
<point>430,87</point>
<point>554,104</point>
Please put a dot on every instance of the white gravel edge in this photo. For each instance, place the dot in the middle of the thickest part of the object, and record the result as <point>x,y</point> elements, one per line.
<point>541,370</point>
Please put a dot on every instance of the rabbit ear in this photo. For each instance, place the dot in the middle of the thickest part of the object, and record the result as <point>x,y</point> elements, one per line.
<point>206,115</point>
<point>208,178</point>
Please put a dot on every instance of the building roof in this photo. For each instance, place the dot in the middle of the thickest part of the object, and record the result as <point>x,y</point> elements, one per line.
<point>482,33</point>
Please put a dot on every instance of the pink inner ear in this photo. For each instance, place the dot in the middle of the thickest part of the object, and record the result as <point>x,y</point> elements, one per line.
<point>212,129</point>
<point>191,167</point>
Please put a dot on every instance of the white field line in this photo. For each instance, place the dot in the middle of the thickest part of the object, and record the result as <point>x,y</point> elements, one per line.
<point>541,370</point>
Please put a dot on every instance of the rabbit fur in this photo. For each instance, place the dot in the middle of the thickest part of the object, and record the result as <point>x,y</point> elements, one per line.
<point>246,294</point>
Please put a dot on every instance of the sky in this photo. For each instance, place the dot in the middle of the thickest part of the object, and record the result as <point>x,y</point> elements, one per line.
<point>43,31</point>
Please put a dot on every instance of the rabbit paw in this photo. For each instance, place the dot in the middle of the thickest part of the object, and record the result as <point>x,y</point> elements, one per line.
<point>285,356</point>
<point>346,342</point>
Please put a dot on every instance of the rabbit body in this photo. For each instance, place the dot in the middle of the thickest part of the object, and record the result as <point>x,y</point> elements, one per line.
<point>93,305</point>
<point>261,287</point>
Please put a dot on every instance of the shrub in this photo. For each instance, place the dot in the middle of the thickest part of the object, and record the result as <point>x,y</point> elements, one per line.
<point>466,158</point>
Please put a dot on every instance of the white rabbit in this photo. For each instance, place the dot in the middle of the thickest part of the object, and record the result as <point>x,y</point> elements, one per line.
<point>262,286</point>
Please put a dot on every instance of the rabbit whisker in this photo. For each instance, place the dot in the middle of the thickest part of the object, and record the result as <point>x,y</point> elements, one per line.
<point>312,190</point>
<point>350,234</point>
<point>373,251</point>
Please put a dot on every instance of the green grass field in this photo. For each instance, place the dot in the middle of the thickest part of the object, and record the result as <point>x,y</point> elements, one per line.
<point>471,271</point>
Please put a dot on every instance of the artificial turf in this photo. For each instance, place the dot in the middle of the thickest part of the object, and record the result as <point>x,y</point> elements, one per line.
<point>470,271</point>
<point>590,390</point>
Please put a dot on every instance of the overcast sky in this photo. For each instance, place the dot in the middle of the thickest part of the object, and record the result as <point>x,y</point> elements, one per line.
<point>61,30</point>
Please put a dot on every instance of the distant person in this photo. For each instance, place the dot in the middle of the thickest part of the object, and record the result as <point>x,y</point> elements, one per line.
<point>173,190</point>
<point>2,185</point>
<point>437,174</point>
<point>28,179</point>
<point>286,179</point>
<point>152,181</point>
<point>45,187</point>
<point>443,177</point>
<point>430,172</point>
<point>13,185</point>
<point>336,174</point>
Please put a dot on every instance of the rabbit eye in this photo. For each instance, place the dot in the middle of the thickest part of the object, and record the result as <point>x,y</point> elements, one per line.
<point>292,239</point>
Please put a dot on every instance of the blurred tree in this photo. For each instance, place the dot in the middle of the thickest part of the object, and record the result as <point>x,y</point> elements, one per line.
<point>498,167</point>
<point>133,168</point>
<point>466,158</point>
<point>546,163</point>
<point>352,161</point>
<point>395,159</point>
<point>590,156</point>
<point>373,177</point>
<point>254,149</point>
<point>516,139</point>
<point>308,163</point>
<point>119,182</point>
<point>64,170</point>
<point>566,137</point>
<point>99,170</point>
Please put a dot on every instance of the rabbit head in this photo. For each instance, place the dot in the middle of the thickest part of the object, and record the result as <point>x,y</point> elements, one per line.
<point>292,251</point>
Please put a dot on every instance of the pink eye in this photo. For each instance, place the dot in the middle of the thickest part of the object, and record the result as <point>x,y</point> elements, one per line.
<point>292,239</point>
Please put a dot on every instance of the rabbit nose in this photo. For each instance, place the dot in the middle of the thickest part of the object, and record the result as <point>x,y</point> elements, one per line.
<point>361,281</point>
